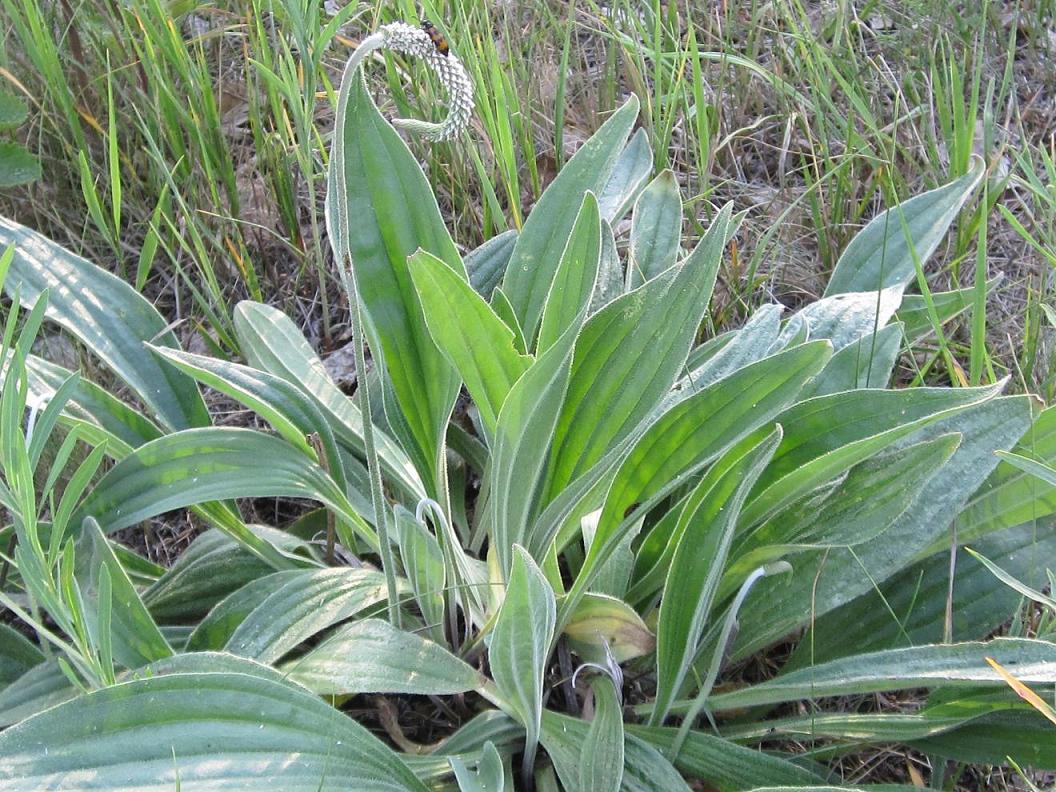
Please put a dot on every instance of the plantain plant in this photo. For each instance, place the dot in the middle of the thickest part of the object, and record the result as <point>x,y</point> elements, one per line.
<point>559,581</point>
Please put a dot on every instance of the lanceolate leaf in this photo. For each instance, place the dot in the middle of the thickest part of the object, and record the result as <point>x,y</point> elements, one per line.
<point>829,434</point>
<point>520,645</point>
<point>656,230</point>
<point>866,363</point>
<point>200,465</point>
<point>135,637</point>
<point>221,731</point>
<point>629,354</point>
<point>697,428</point>
<point>697,566</point>
<point>522,438</point>
<point>372,656</point>
<point>723,763</point>
<point>211,568</point>
<point>633,168</point>
<point>470,334</point>
<point>108,316</point>
<point>910,608</point>
<point>901,669</point>
<point>644,768</point>
<point>306,604</point>
<point>825,579</point>
<point>271,341</point>
<point>487,264</point>
<point>575,278</point>
<point>879,255</point>
<point>602,765</point>
<point>379,212</point>
<point>544,236</point>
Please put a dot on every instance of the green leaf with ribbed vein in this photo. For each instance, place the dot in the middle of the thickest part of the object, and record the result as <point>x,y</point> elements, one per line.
<point>866,363</point>
<point>91,403</point>
<point>656,230</point>
<point>1011,496</point>
<point>825,579</point>
<point>271,341</point>
<point>490,775</point>
<point>868,500</point>
<point>828,435</point>
<point>200,465</point>
<point>917,599</point>
<point>17,655</point>
<point>216,629</point>
<point>372,656</point>
<point>629,175</point>
<point>423,563</point>
<point>629,354</point>
<point>602,766</point>
<point>520,645</point>
<point>470,334</point>
<point>576,275</point>
<point>211,568</point>
<point>698,562</point>
<point>134,635</point>
<point>486,264</point>
<point>844,318</point>
<point>700,426</point>
<point>1030,661</point>
<point>220,731</point>
<point>38,689</point>
<point>380,210</point>
<point>303,606</point>
<point>644,768</point>
<point>879,255</point>
<point>916,317</point>
<point>108,316</point>
<point>544,235</point>
<point>721,762</point>
<point>522,439</point>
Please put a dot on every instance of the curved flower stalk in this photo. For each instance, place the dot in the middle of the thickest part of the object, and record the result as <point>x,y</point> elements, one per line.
<point>410,40</point>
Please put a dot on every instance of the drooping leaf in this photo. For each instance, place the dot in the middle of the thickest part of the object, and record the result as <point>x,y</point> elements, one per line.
<point>201,465</point>
<point>211,568</point>
<point>108,316</point>
<point>303,606</point>
<point>271,341</point>
<point>221,731</point>
<point>372,656</point>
